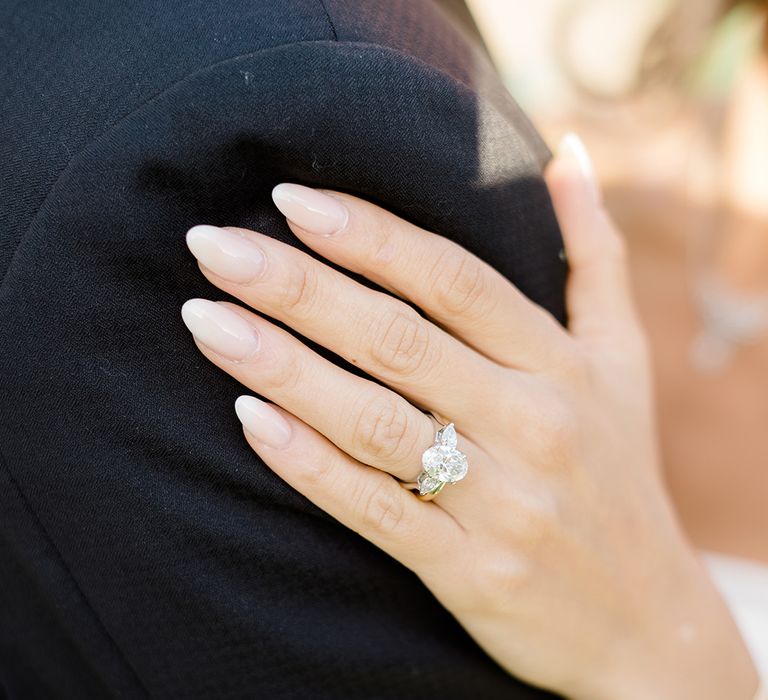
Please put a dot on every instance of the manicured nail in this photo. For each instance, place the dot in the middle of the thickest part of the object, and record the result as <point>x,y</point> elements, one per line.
<point>573,147</point>
<point>263,422</point>
<point>220,329</point>
<point>309,209</point>
<point>226,253</point>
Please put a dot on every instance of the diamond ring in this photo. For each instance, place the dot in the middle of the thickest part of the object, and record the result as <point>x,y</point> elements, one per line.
<point>442,464</point>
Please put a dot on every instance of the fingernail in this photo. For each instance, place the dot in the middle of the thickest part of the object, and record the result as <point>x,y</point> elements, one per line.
<point>226,253</point>
<point>571,146</point>
<point>263,422</point>
<point>220,329</point>
<point>310,209</point>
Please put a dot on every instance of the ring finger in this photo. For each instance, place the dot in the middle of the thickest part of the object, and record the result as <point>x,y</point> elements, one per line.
<point>382,335</point>
<point>369,422</point>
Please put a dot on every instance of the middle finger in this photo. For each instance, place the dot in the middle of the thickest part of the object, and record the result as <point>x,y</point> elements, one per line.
<point>381,334</point>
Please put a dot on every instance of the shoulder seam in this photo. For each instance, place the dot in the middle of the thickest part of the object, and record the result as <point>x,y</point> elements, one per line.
<point>189,76</point>
<point>135,110</point>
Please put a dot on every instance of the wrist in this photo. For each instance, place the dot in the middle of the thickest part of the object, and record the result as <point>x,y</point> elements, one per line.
<point>689,647</point>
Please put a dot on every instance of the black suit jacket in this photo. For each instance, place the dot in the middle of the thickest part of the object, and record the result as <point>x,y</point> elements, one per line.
<point>144,549</point>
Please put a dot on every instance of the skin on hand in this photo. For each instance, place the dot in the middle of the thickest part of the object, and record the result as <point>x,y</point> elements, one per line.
<point>559,552</point>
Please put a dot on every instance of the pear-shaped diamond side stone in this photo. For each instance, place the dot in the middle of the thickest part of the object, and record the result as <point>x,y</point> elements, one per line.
<point>447,435</point>
<point>427,484</point>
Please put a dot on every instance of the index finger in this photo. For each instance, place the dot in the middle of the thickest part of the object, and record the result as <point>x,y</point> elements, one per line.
<point>456,289</point>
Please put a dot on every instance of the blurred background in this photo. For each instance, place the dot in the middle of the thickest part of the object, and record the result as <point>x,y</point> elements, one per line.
<point>671,99</point>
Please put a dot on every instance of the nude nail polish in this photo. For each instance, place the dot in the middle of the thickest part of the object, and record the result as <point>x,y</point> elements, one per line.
<point>227,254</point>
<point>311,210</point>
<point>220,329</point>
<point>571,146</point>
<point>263,422</point>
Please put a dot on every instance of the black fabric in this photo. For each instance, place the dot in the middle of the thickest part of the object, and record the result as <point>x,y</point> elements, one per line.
<point>145,550</point>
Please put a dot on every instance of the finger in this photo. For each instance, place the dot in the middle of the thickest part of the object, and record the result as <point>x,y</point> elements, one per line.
<point>370,502</point>
<point>370,423</point>
<point>382,335</point>
<point>598,293</point>
<point>455,288</point>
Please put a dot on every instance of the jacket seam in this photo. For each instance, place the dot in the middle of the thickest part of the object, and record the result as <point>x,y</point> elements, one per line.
<point>105,134</point>
<point>189,76</point>
<point>114,125</point>
<point>330,20</point>
<point>70,575</point>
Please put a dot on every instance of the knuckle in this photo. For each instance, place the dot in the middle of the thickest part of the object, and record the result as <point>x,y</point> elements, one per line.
<point>319,473</point>
<point>553,434</point>
<point>401,341</point>
<point>507,574</point>
<point>299,293</point>
<point>382,427</point>
<point>535,522</point>
<point>382,230</point>
<point>283,372</point>
<point>533,513</point>
<point>459,281</point>
<point>510,564</point>
<point>381,509</point>
<point>499,580</point>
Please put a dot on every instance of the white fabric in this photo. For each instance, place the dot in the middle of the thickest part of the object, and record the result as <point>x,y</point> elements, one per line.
<point>744,585</point>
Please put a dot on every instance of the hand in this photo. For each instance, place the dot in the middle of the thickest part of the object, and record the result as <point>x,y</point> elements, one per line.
<point>559,551</point>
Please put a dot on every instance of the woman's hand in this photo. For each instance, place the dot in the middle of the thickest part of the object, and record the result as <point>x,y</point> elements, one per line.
<point>559,551</point>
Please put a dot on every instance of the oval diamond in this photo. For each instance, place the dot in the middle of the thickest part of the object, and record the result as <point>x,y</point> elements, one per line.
<point>445,463</point>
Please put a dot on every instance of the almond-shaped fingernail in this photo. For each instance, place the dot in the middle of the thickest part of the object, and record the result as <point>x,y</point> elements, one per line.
<point>227,254</point>
<point>263,422</point>
<point>573,147</point>
<point>220,329</point>
<point>309,209</point>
